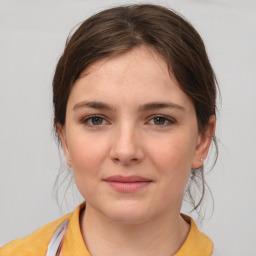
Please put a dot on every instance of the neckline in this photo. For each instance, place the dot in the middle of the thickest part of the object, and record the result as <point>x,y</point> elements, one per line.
<point>196,243</point>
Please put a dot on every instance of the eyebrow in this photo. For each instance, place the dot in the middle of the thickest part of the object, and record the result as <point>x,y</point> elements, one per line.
<point>160,105</point>
<point>145,107</point>
<point>93,104</point>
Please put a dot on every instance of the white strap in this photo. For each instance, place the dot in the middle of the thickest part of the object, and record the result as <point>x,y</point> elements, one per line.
<point>54,246</point>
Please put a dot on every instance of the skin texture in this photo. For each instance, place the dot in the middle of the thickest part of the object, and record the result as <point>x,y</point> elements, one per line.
<point>129,137</point>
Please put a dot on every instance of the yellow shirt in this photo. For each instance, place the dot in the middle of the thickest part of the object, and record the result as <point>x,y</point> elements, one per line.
<point>36,244</point>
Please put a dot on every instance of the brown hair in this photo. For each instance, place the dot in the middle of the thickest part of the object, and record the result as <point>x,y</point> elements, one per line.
<point>118,30</point>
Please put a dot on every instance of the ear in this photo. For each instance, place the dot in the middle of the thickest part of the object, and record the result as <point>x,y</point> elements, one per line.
<point>203,143</point>
<point>62,135</point>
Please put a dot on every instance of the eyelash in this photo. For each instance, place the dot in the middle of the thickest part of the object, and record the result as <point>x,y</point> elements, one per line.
<point>90,118</point>
<point>169,121</point>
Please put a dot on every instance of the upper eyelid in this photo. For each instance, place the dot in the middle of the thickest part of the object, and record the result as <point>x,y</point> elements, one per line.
<point>93,115</point>
<point>84,119</point>
<point>171,119</point>
<point>170,122</point>
<point>164,116</point>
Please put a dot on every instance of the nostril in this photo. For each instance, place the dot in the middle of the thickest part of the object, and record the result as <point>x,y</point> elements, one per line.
<point>116,160</point>
<point>126,161</point>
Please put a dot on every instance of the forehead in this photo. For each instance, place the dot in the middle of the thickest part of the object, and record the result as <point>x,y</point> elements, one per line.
<point>136,75</point>
<point>142,54</point>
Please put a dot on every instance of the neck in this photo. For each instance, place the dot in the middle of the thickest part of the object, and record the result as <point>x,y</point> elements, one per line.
<point>163,235</point>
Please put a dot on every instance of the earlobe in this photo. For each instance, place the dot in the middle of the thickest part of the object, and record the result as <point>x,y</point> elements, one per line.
<point>62,135</point>
<point>204,143</point>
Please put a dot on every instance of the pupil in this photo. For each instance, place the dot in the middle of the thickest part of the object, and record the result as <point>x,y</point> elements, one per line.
<point>159,120</point>
<point>96,120</point>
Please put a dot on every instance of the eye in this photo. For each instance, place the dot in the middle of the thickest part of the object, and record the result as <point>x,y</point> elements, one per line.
<point>161,121</point>
<point>94,121</point>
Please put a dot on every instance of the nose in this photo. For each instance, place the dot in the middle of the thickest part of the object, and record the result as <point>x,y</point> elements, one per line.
<point>126,147</point>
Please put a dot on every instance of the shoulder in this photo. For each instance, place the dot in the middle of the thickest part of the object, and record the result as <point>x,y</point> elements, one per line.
<point>34,244</point>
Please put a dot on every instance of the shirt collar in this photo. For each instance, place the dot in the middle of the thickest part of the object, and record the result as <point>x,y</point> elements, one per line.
<point>196,243</point>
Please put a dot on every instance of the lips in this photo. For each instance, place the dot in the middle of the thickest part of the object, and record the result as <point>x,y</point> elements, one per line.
<point>127,179</point>
<point>127,183</point>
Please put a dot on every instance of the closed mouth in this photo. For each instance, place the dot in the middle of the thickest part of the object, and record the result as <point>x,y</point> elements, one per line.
<point>127,183</point>
<point>127,179</point>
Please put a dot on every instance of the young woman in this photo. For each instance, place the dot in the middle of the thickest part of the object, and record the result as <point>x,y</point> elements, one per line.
<point>134,97</point>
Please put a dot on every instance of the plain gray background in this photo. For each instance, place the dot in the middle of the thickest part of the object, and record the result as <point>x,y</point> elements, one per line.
<point>32,37</point>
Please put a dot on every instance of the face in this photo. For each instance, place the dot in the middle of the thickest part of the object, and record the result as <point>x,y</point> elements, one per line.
<point>131,137</point>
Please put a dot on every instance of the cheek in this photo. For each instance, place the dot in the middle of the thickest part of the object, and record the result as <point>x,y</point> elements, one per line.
<point>173,157</point>
<point>87,153</point>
